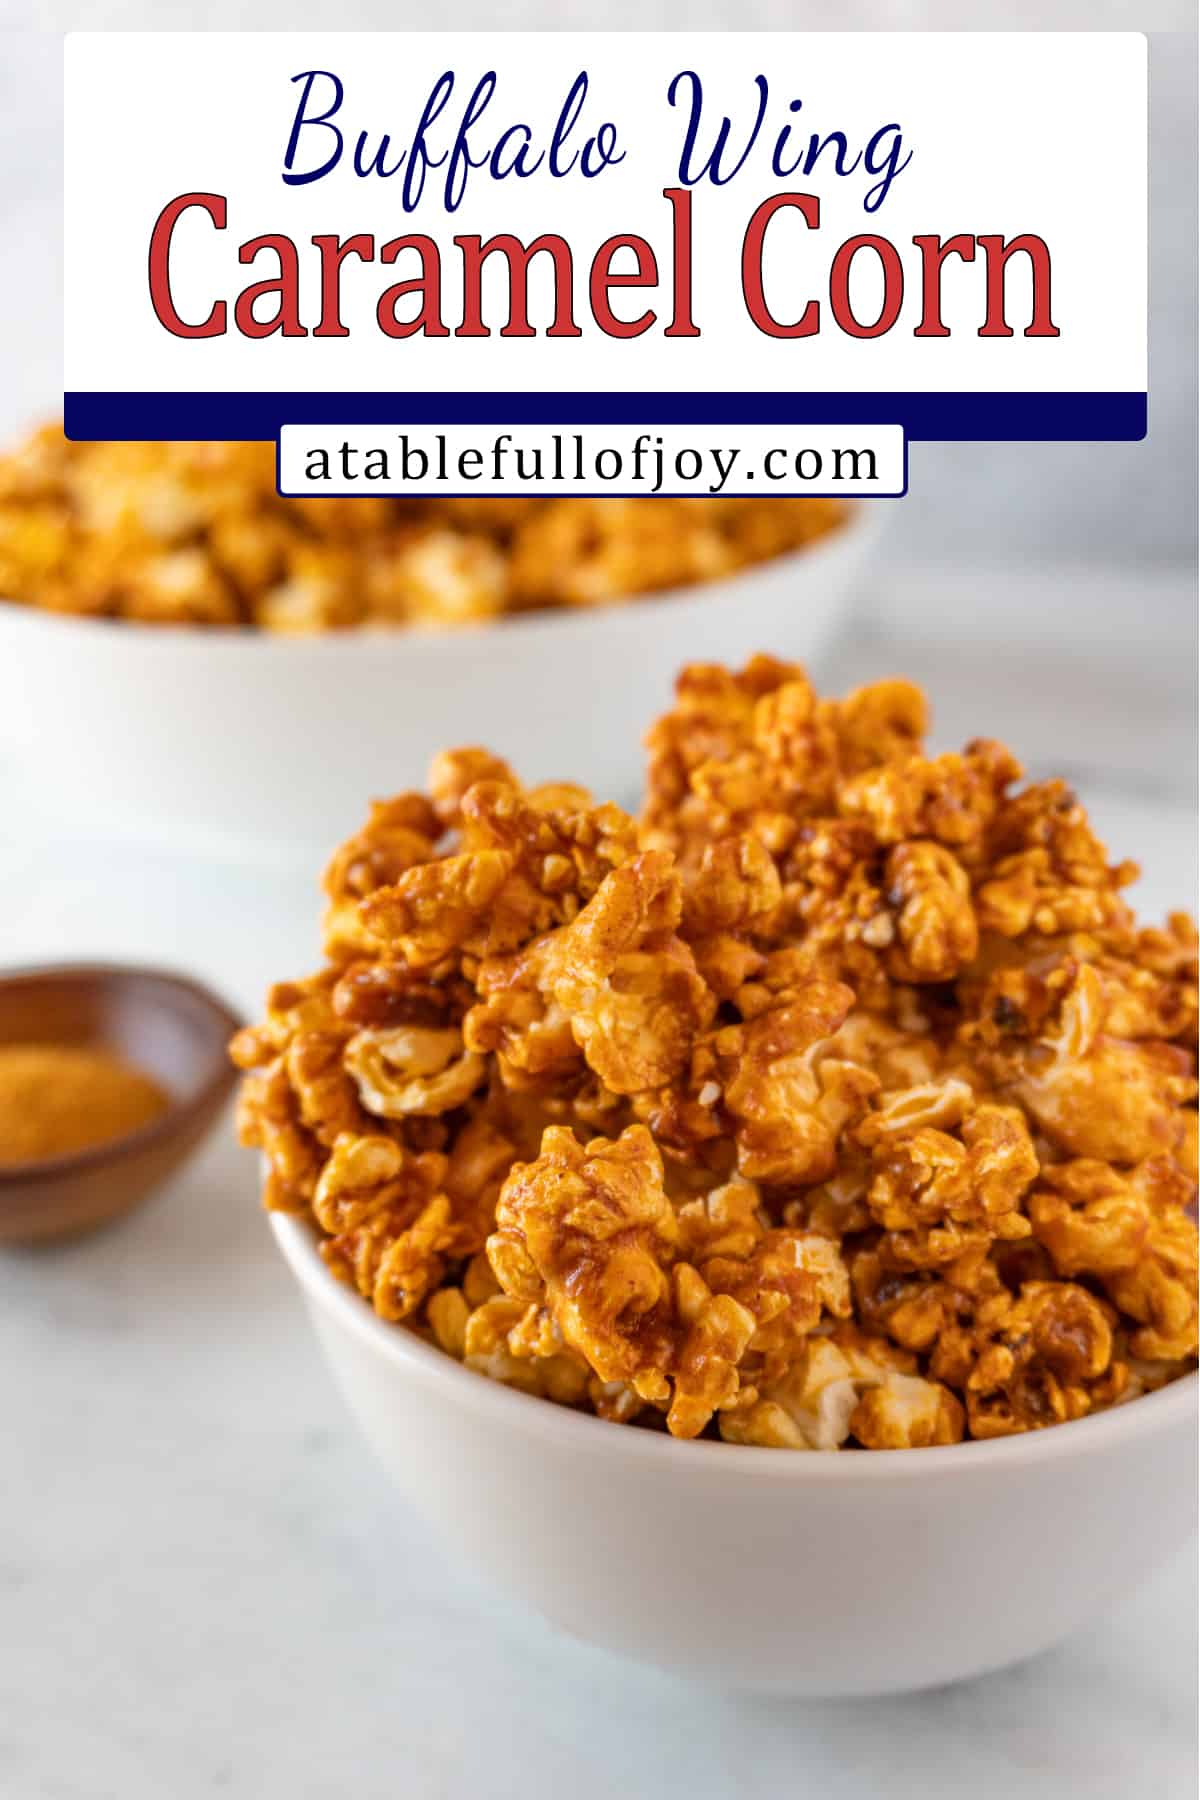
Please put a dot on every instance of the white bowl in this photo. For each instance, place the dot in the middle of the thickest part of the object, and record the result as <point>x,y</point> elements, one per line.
<point>770,1570</point>
<point>249,743</point>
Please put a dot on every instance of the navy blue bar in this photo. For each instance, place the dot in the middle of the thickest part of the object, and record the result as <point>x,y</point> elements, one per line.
<point>962,418</point>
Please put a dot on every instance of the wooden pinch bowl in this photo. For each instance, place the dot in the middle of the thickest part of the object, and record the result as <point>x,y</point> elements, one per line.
<point>173,1028</point>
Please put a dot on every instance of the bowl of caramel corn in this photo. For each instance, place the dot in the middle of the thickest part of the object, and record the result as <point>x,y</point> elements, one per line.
<point>758,1231</point>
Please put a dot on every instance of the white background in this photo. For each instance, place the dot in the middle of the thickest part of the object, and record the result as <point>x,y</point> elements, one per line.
<point>1009,133</point>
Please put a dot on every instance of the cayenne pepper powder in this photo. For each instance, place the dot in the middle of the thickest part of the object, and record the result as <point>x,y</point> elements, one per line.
<point>59,1098</point>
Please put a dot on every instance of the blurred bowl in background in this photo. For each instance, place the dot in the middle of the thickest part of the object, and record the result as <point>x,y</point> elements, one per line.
<point>253,745</point>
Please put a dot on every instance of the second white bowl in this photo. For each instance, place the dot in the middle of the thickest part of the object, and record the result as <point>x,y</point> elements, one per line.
<point>252,744</point>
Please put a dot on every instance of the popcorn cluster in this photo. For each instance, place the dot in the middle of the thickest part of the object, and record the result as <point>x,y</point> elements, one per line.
<point>839,1101</point>
<point>195,534</point>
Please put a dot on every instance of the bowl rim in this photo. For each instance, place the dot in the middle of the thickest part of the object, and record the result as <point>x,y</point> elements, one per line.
<point>857,530</point>
<point>584,1432</point>
<point>217,1080</point>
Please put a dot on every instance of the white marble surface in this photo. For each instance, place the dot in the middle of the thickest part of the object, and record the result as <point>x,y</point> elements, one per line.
<point>206,1585</point>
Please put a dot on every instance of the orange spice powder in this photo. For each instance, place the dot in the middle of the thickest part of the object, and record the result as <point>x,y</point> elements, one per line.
<point>59,1098</point>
